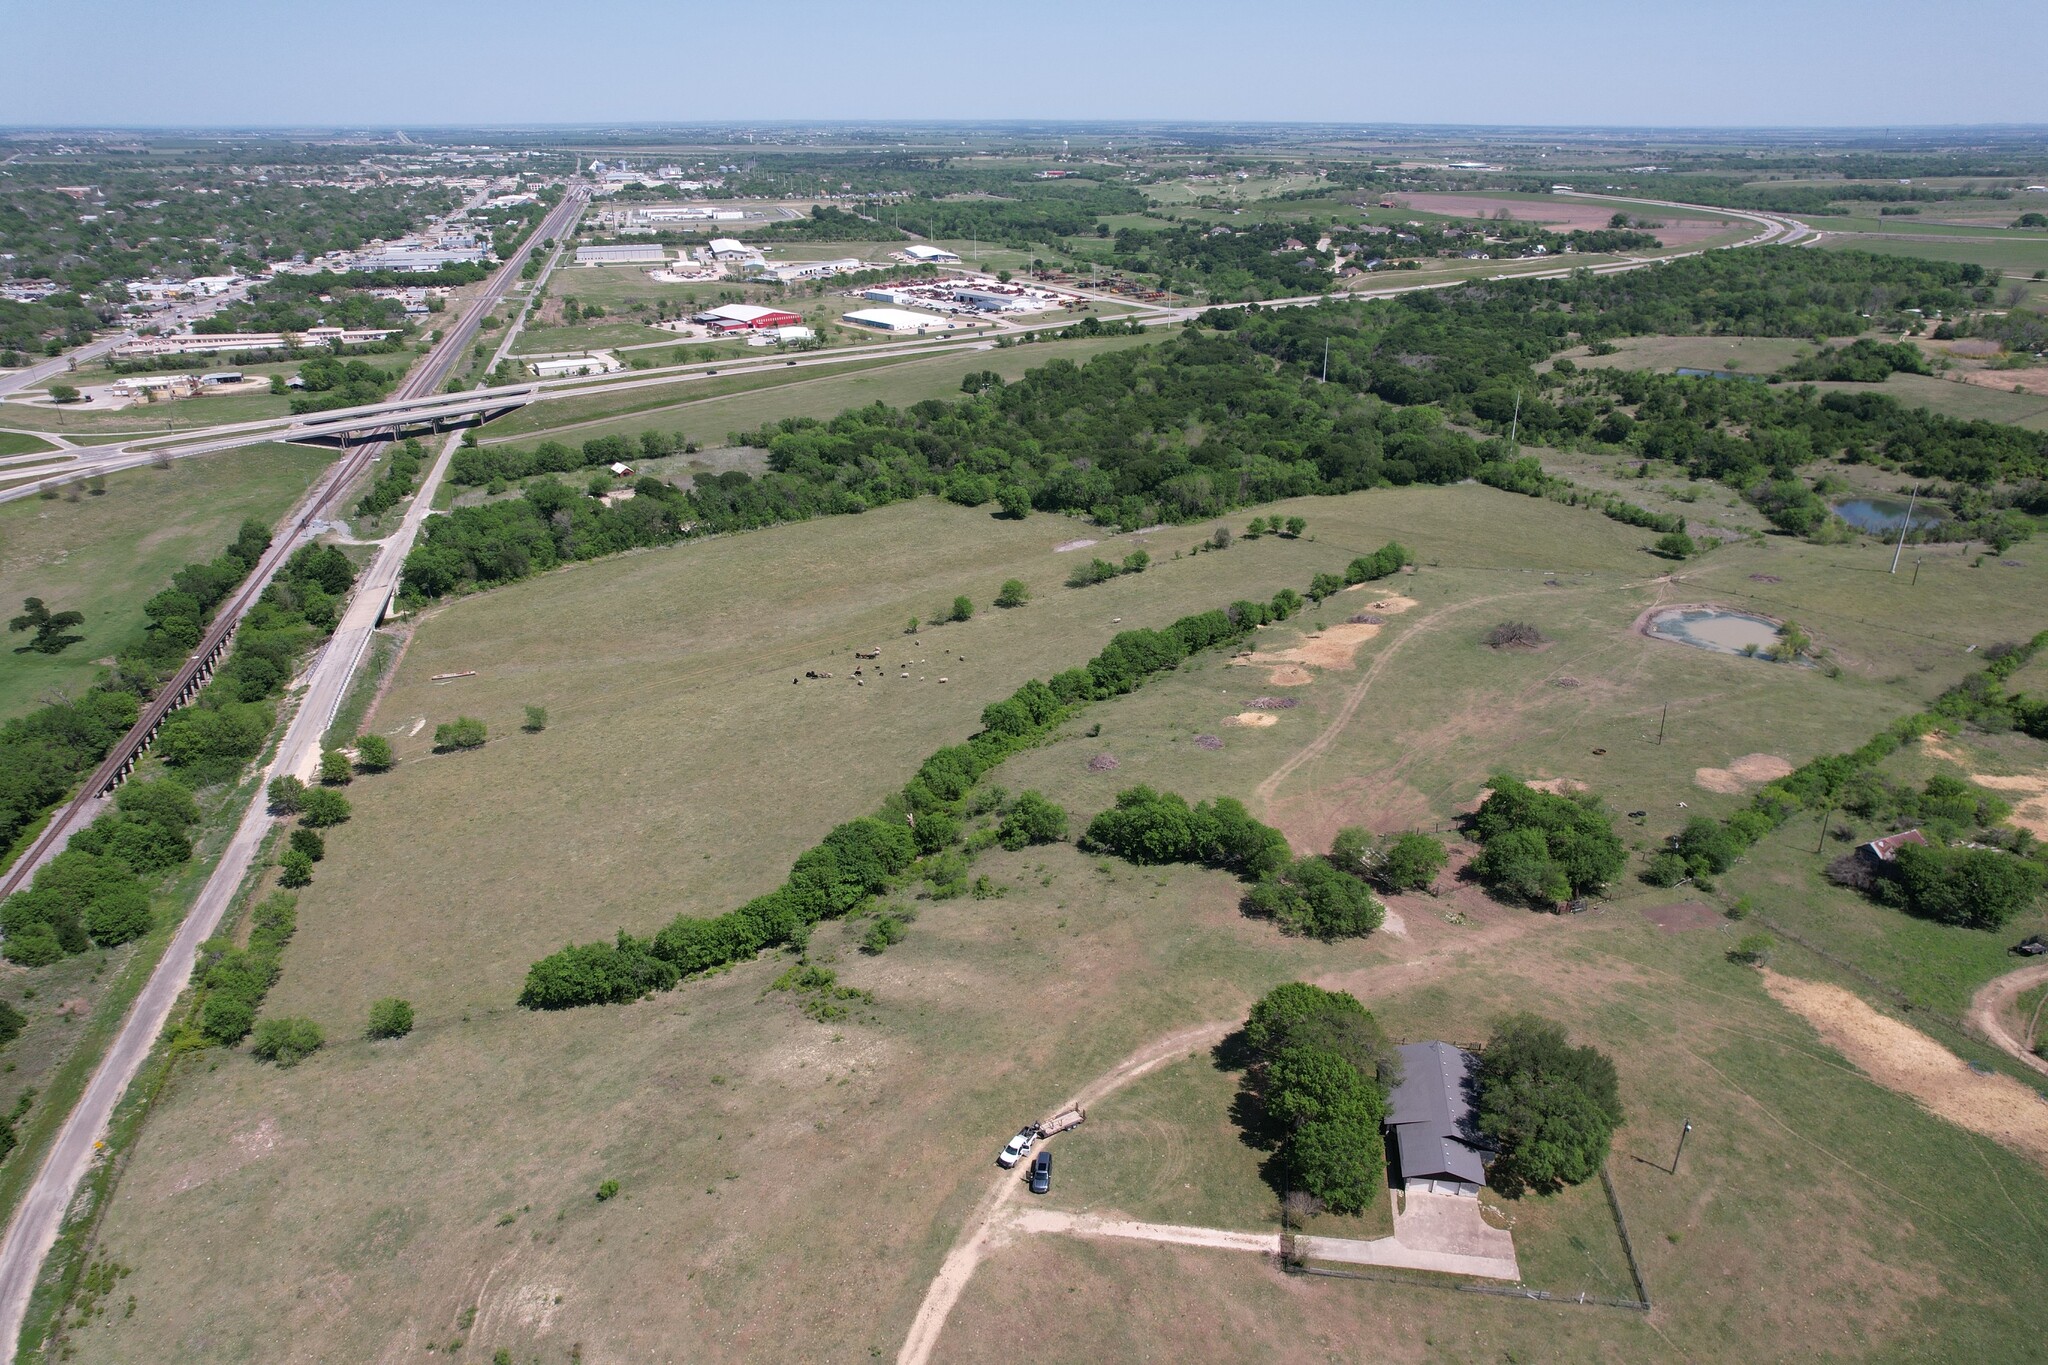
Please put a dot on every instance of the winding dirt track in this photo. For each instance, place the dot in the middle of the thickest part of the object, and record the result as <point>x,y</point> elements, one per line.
<point>978,1235</point>
<point>1988,1008</point>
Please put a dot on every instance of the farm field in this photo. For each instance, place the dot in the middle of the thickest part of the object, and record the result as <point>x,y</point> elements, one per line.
<point>760,1154</point>
<point>107,554</point>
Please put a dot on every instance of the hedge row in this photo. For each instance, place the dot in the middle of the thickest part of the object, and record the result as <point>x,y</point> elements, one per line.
<point>236,979</point>
<point>863,856</point>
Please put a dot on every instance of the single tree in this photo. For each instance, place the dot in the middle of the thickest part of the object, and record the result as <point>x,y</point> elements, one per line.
<point>1014,593</point>
<point>323,806</point>
<point>335,769</point>
<point>963,609</point>
<point>64,393</point>
<point>1295,526</point>
<point>1676,545</point>
<point>49,627</point>
<point>294,869</point>
<point>287,794</point>
<point>1015,499</point>
<point>1219,539</point>
<point>373,753</point>
<point>308,842</point>
<point>536,719</point>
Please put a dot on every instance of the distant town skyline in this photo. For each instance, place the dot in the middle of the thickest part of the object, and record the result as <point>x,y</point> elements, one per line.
<point>1613,63</point>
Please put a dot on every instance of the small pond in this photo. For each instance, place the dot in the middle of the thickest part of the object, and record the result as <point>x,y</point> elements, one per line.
<point>1724,632</point>
<point>1884,516</point>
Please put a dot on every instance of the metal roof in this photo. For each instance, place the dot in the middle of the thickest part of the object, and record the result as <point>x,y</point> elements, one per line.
<point>1430,1114</point>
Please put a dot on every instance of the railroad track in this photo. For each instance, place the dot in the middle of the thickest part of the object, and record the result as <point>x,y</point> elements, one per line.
<point>185,684</point>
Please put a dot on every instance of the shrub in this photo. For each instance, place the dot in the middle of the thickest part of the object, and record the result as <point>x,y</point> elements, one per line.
<point>1541,847</point>
<point>1676,545</point>
<point>308,842</point>
<point>1754,950</point>
<point>287,1041</point>
<point>1666,868</point>
<point>322,807</point>
<point>335,769</point>
<point>373,753</point>
<point>1032,819</point>
<point>12,1022</point>
<point>294,869</point>
<point>608,1189</point>
<point>1160,827</point>
<point>1515,635</point>
<point>536,719</point>
<point>1411,862</point>
<point>226,1020</point>
<point>1551,1107</point>
<point>1013,594</point>
<point>390,1018</point>
<point>464,732</point>
<point>963,610</point>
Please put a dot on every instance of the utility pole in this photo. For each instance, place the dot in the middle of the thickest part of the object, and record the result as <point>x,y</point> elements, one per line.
<point>1825,817</point>
<point>1515,427</point>
<point>1905,526</point>
<point>1326,360</point>
<point>1916,573</point>
<point>1681,1145</point>
<point>1660,722</point>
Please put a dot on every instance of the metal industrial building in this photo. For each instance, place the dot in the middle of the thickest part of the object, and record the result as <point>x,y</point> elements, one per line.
<point>931,255</point>
<point>893,320</point>
<point>742,317</point>
<point>620,255</point>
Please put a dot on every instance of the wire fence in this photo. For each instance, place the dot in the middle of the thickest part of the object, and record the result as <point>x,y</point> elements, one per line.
<point>1502,1291</point>
<point>1628,1249</point>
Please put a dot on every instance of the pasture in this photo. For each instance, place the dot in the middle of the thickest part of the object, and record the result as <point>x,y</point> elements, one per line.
<point>106,554</point>
<point>787,1187</point>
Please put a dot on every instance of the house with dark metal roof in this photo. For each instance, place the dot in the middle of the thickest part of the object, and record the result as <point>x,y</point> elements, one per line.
<point>1430,1125</point>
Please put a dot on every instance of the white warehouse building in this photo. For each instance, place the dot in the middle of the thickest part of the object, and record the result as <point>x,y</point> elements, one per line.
<point>893,320</point>
<point>931,255</point>
<point>620,255</point>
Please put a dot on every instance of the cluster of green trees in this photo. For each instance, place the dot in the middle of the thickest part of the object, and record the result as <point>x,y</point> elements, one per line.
<point>97,891</point>
<point>225,726</point>
<point>477,466</point>
<point>827,224</point>
<point>1551,1108</point>
<point>235,980</point>
<point>1541,847</point>
<point>921,822</point>
<point>1981,699</point>
<point>1101,570</point>
<point>1321,1069</point>
<point>402,466</point>
<point>331,382</point>
<point>45,751</point>
<point>1318,897</point>
<point>1146,826</point>
<point>1862,361</point>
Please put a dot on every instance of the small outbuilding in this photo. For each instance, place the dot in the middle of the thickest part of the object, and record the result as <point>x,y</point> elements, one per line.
<point>1430,1125</point>
<point>1886,850</point>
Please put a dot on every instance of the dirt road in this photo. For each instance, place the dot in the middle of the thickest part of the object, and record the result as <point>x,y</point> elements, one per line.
<point>1989,1006</point>
<point>986,1221</point>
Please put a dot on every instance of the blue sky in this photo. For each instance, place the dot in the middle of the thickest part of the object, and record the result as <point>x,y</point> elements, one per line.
<point>378,63</point>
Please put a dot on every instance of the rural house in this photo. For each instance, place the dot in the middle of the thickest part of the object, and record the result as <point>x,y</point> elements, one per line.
<point>1429,1120</point>
<point>1886,850</point>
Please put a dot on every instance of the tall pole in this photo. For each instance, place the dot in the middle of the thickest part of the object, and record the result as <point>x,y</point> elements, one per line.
<point>1326,360</point>
<point>1681,1145</point>
<point>1515,427</point>
<point>1905,526</point>
<point>1660,722</point>
<point>1825,817</point>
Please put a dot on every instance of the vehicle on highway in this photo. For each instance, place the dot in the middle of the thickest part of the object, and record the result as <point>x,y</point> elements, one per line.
<point>1041,1173</point>
<point>1014,1150</point>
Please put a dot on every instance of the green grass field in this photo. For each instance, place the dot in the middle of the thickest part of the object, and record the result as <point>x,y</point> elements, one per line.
<point>797,1183</point>
<point>21,443</point>
<point>106,555</point>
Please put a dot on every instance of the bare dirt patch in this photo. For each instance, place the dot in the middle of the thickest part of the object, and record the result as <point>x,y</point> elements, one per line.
<point>1211,742</point>
<point>1908,1061</point>
<point>1289,675</point>
<point>1684,915</point>
<point>1564,214</point>
<point>2005,381</point>
<point>1103,763</point>
<point>1256,720</point>
<point>1745,772</point>
<point>1557,786</point>
<point>1081,544</point>
<point>1935,745</point>
<point>2029,799</point>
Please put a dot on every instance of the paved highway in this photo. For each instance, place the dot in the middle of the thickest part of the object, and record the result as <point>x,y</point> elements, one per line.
<point>39,1216</point>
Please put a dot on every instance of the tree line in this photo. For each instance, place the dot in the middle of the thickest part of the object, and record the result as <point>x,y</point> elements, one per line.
<point>921,821</point>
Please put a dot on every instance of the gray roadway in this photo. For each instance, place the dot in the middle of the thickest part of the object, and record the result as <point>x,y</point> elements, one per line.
<point>39,1216</point>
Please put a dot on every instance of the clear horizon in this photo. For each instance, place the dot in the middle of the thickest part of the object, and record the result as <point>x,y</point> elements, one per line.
<point>1828,65</point>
